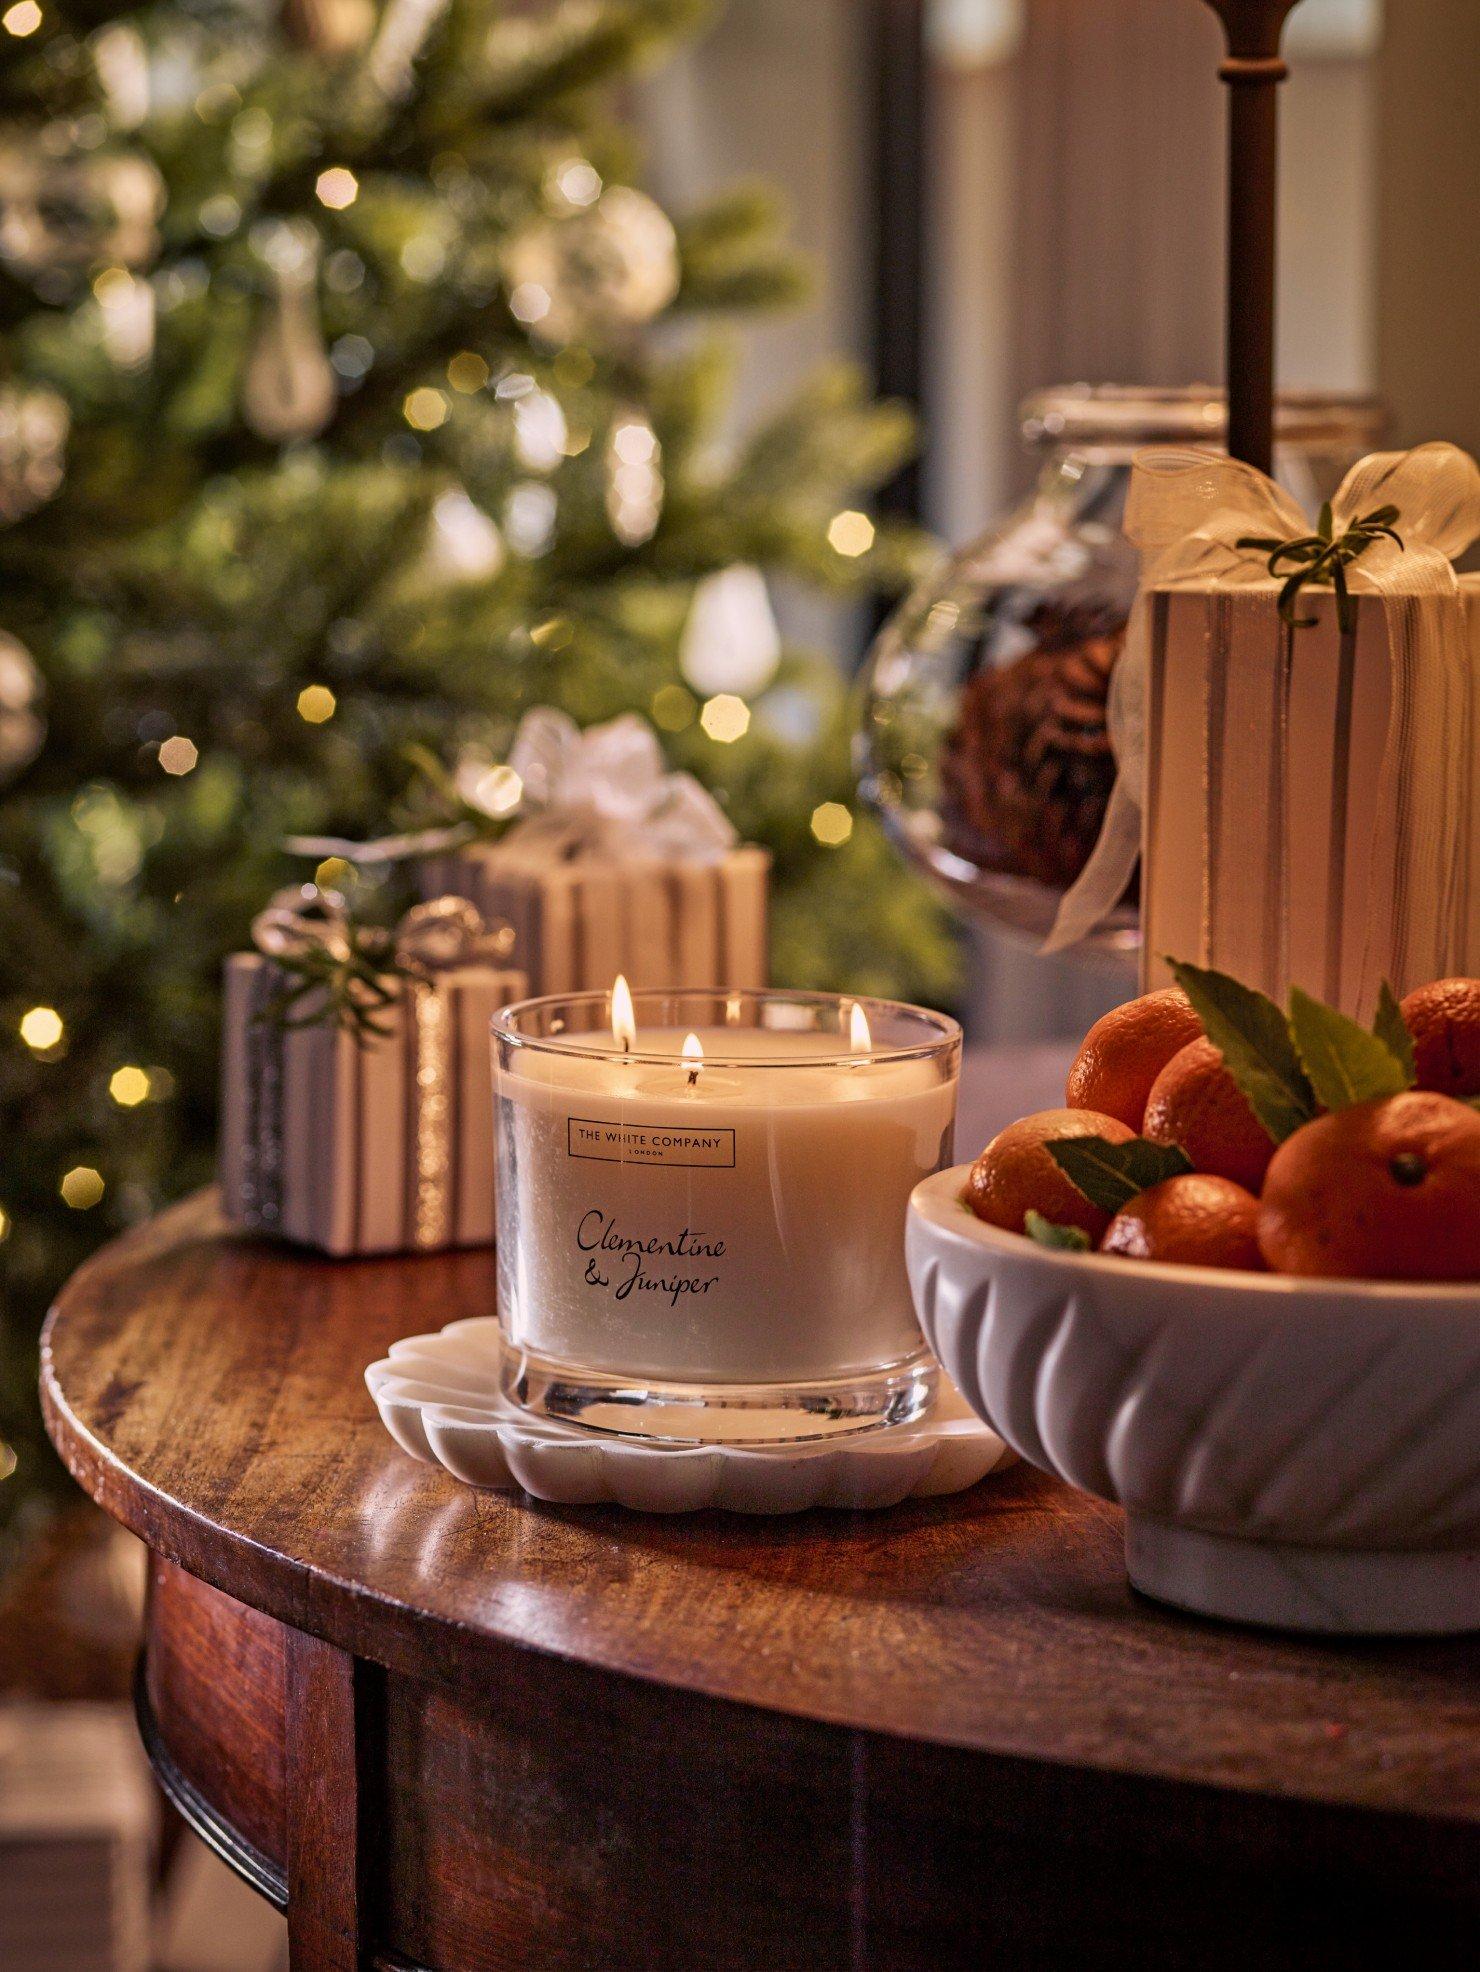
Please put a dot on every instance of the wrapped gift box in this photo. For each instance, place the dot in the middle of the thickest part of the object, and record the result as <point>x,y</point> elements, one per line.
<point>362,1143</point>
<point>1312,801</point>
<point>581,919</point>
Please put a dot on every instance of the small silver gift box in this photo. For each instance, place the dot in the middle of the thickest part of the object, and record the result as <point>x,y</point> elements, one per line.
<point>379,1143</point>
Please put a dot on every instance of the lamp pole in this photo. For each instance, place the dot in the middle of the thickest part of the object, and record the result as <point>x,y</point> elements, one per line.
<point>1253,70</point>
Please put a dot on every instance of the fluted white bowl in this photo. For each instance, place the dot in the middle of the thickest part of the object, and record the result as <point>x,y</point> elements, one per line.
<point>1293,1452</point>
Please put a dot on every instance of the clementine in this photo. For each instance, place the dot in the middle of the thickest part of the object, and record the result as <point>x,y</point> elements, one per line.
<point>1126,1049</point>
<point>1195,1220</point>
<point>1385,1190</point>
<point>1195,1102</point>
<point>1015,1175</point>
<point>1444,1020</point>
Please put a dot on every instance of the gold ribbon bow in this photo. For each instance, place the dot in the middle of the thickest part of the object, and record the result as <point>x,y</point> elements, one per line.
<point>1195,515</point>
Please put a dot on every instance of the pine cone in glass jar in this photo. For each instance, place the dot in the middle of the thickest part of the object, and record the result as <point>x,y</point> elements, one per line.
<point>1028,771</point>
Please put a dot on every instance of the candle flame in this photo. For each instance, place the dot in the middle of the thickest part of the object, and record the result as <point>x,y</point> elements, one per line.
<point>624,1022</point>
<point>859,1038</point>
<point>693,1054</point>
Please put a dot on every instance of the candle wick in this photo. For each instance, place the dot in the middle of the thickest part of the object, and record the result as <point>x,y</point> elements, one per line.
<point>693,1078</point>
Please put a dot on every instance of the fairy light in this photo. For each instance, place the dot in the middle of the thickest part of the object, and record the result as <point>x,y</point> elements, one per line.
<point>673,708</point>
<point>850,533</point>
<point>178,755</point>
<point>467,372</point>
<point>337,188</point>
<point>497,791</point>
<point>316,703</point>
<point>725,718</point>
<point>577,182</point>
<point>832,824</point>
<point>129,1086</point>
<point>425,409</point>
<point>82,1188</point>
<point>22,19</point>
<point>333,873</point>
<point>529,303</point>
<point>42,1029</point>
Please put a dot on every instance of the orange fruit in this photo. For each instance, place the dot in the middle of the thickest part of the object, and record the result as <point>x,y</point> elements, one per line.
<point>1444,1020</point>
<point>1126,1049</point>
<point>1196,1220</point>
<point>1195,1102</point>
<point>1015,1175</point>
<point>1386,1190</point>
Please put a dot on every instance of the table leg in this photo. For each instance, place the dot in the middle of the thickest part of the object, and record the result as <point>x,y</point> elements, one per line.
<point>325,1744</point>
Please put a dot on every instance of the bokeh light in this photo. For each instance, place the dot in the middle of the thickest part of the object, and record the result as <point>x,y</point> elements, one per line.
<point>832,824</point>
<point>42,1029</point>
<point>316,703</point>
<point>82,1188</point>
<point>129,1086</point>
<point>850,533</point>
<point>178,755</point>
<point>425,409</point>
<point>337,188</point>
<point>725,717</point>
<point>22,19</point>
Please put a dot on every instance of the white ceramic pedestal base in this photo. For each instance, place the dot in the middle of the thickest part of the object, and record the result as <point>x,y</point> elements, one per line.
<point>439,1396</point>
<point>1325,1589</point>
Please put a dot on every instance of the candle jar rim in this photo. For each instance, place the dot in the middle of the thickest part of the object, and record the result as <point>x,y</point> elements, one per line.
<point>944,1037</point>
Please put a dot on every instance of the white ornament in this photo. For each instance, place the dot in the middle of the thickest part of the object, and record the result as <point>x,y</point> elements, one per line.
<point>22,728</point>
<point>465,545</point>
<point>594,271</point>
<point>730,642</point>
<point>288,390</point>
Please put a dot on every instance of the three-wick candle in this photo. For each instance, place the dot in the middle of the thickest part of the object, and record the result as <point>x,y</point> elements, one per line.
<point>702,1201</point>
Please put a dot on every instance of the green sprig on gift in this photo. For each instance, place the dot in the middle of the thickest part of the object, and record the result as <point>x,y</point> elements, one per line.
<point>351,982</point>
<point>1323,557</point>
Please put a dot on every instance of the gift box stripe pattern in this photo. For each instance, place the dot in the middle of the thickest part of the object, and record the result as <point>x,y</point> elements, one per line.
<point>375,1147</point>
<point>577,924</point>
<point>1311,813</point>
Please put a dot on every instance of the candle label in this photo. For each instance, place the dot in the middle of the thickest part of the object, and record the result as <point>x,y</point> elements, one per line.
<point>712,1148</point>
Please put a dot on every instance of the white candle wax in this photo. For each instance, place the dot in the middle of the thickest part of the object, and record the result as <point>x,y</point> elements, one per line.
<point>741,1221</point>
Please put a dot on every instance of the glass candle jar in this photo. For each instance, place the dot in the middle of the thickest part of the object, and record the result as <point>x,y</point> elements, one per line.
<point>701,1208</point>
<point>985,743</point>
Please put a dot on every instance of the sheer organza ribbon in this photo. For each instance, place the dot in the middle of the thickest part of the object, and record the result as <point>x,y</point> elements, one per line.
<point>607,791</point>
<point>1186,512</point>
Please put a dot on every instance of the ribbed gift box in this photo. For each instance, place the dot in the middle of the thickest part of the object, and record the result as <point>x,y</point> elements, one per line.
<point>1312,812</point>
<point>579,922</point>
<point>373,1144</point>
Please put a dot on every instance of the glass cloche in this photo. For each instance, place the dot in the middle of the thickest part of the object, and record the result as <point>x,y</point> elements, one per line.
<point>984,742</point>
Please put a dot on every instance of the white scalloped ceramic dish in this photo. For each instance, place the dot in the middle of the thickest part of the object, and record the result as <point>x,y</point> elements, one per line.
<point>439,1397</point>
<point>1291,1452</point>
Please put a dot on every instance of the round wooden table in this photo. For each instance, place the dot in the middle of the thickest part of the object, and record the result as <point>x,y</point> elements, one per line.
<point>462,1731</point>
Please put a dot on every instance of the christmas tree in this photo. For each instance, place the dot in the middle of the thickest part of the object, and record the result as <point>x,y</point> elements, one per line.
<point>353,400</point>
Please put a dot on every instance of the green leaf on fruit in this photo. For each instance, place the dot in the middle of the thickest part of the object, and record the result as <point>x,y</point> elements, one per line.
<point>1112,1174</point>
<point>1392,1030</point>
<point>1253,1037</point>
<point>1068,1239</point>
<point>1344,1062</point>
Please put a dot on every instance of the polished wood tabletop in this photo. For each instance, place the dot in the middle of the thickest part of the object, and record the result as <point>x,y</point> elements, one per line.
<point>464,1730</point>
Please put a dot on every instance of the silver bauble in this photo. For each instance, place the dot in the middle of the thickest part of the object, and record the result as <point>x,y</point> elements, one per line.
<point>609,267</point>
<point>66,210</point>
<point>33,439</point>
